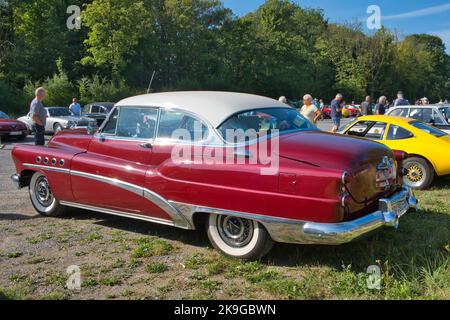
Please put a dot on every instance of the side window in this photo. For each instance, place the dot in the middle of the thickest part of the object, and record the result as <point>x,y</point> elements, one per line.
<point>437,118</point>
<point>137,123</point>
<point>402,112</point>
<point>398,133</point>
<point>360,128</point>
<point>172,120</point>
<point>111,125</point>
<point>377,131</point>
<point>95,109</point>
<point>416,114</point>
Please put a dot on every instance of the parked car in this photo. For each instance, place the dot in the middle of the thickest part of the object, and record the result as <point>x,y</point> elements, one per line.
<point>12,128</point>
<point>351,111</point>
<point>428,114</point>
<point>317,189</point>
<point>98,111</point>
<point>60,118</point>
<point>428,148</point>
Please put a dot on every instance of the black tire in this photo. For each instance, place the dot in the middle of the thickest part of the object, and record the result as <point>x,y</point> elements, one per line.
<point>254,243</point>
<point>57,128</point>
<point>420,173</point>
<point>22,137</point>
<point>42,197</point>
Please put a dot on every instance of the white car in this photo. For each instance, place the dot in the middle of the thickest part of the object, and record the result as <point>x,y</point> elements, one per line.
<point>428,114</point>
<point>60,118</point>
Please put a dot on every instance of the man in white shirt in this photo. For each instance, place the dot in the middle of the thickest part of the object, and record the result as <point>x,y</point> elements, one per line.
<point>75,108</point>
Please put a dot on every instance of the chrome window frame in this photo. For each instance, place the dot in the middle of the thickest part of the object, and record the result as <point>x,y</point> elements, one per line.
<point>108,136</point>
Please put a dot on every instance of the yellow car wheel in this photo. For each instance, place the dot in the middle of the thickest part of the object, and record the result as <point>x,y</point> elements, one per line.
<point>420,174</point>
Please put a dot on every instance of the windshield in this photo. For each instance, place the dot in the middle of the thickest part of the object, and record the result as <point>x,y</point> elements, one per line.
<point>428,129</point>
<point>266,120</point>
<point>3,115</point>
<point>59,112</point>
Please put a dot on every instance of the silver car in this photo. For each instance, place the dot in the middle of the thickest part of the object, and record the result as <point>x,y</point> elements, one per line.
<point>60,118</point>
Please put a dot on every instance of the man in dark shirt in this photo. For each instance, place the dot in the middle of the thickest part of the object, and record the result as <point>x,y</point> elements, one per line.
<point>366,107</point>
<point>336,112</point>
<point>381,106</point>
<point>39,116</point>
<point>400,101</point>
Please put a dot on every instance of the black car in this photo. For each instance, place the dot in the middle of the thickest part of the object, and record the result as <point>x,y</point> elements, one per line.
<point>98,111</point>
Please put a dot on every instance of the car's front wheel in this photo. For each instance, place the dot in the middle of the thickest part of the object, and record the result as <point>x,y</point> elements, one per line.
<point>420,173</point>
<point>238,237</point>
<point>57,128</point>
<point>42,197</point>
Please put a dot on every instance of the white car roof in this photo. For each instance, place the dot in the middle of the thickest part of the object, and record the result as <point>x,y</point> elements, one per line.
<point>213,106</point>
<point>417,107</point>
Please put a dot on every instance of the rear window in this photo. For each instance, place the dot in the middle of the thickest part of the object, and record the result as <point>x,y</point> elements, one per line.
<point>267,120</point>
<point>428,129</point>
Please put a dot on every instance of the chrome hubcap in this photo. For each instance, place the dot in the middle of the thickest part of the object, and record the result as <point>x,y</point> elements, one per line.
<point>235,232</point>
<point>43,192</point>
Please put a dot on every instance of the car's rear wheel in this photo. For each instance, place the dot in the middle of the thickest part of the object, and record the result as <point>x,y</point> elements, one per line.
<point>42,197</point>
<point>420,173</point>
<point>238,237</point>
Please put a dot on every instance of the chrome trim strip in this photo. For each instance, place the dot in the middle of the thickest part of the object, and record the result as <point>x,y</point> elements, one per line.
<point>178,219</point>
<point>117,213</point>
<point>48,168</point>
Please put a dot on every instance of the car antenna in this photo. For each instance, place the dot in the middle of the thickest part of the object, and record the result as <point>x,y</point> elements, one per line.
<point>151,81</point>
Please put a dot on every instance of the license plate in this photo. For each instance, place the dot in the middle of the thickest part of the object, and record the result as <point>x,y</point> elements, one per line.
<point>15,133</point>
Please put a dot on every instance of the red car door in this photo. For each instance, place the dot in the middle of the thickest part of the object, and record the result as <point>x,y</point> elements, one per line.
<point>111,174</point>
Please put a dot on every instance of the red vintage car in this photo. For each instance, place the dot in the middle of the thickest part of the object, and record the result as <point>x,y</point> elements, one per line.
<point>250,168</point>
<point>12,128</point>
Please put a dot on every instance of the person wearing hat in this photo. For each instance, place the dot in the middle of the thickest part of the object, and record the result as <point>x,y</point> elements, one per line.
<point>400,101</point>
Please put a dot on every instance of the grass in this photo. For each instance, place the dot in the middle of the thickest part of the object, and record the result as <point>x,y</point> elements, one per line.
<point>148,247</point>
<point>157,267</point>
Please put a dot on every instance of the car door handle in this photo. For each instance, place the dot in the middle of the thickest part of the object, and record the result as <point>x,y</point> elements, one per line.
<point>146,145</point>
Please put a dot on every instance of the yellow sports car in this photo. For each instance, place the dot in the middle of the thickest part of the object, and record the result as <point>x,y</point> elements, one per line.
<point>428,148</point>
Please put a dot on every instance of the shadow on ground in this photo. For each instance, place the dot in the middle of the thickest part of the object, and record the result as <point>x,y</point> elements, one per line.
<point>420,242</point>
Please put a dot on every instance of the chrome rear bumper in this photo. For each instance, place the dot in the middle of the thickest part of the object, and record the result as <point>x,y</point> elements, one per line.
<point>391,210</point>
<point>15,178</point>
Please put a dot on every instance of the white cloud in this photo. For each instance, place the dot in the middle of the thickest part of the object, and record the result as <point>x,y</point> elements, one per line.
<point>419,13</point>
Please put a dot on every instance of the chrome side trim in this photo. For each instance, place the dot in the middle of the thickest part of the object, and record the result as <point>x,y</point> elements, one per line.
<point>48,168</point>
<point>178,219</point>
<point>117,213</point>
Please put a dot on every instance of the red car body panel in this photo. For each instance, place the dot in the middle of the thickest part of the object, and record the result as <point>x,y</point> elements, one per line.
<point>308,186</point>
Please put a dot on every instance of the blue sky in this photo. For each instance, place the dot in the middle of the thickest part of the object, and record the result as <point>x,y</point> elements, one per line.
<point>403,16</point>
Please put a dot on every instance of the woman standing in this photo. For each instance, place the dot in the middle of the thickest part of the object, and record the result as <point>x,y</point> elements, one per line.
<point>381,106</point>
<point>309,110</point>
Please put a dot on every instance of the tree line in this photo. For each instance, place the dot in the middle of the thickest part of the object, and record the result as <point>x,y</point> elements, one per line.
<point>279,49</point>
